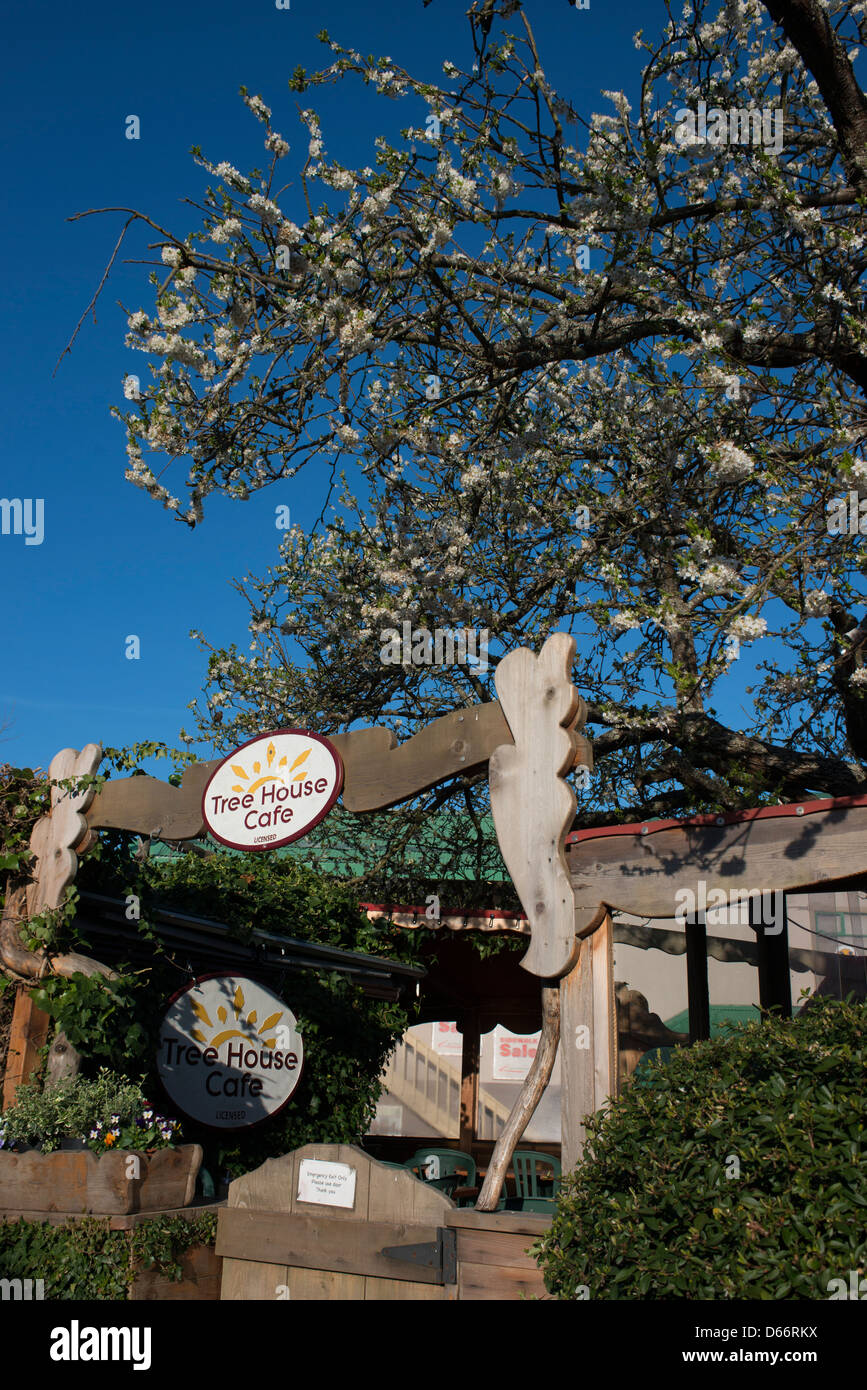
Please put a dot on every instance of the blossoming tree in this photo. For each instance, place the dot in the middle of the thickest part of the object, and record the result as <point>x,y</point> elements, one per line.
<point>600,374</point>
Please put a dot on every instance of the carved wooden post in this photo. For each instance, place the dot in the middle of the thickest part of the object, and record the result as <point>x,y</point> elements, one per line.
<point>533,808</point>
<point>55,838</point>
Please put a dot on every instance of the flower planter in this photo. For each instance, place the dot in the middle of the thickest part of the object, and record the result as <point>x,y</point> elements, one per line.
<point>106,1185</point>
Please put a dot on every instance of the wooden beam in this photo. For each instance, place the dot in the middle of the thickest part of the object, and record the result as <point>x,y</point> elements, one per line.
<point>588,1022</point>
<point>30,1028</point>
<point>470,1062</point>
<point>377,773</point>
<point>639,869</point>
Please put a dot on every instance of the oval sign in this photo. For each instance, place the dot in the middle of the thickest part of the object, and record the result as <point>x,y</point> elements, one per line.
<point>230,1054</point>
<point>272,790</point>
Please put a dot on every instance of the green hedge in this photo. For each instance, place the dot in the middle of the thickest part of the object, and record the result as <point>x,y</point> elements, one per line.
<point>87,1260</point>
<point>736,1170</point>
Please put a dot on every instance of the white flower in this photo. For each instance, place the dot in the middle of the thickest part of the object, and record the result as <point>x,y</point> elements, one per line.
<point>625,621</point>
<point>463,188</point>
<point>341,179</point>
<point>859,677</point>
<point>258,107</point>
<point>747,627</point>
<point>728,461</point>
<point>834,292</point>
<point>138,321</point>
<point>224,231</point>
<point>171,255</point>
<point>474,477</point>
<point>718,575</point>
<point>859,471</point>
<point>268,211</point>
<point>175,315</point>
<point>231,175</point>
<point>817,603</point>
<point>277,145</point>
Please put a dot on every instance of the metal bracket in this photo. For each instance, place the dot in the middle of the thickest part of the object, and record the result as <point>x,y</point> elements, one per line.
<point>432,1254</point>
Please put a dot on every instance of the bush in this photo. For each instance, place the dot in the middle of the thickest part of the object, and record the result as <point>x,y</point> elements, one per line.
<point>87,1260</point>
<point>738,1172</point>
<point>347,1036</point>
<point>71,1110</point>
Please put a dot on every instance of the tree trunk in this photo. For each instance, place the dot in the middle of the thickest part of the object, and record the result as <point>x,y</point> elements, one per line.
<point>531,1093</point>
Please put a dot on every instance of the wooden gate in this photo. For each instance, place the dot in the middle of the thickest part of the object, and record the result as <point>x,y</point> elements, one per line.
<point>391,1243</point>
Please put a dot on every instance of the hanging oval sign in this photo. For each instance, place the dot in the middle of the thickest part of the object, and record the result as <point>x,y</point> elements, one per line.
<point>230,1054</point>
<point>272,790</point>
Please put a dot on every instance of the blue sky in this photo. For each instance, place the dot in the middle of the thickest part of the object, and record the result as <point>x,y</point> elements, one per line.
<point>113,563</point>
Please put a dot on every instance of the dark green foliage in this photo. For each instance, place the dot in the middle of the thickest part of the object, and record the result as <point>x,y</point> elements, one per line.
<point>651,1212</point>
<point>347,1037</point>
<point>86,1260</point>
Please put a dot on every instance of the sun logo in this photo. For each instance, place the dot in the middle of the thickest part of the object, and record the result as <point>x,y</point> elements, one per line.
<point>252,1034</point>
<point>269,775</point>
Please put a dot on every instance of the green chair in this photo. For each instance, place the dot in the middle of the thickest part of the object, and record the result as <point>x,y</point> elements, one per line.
<point>536,1191</point>
<point>445,1169</point>
<point>648,1065</point>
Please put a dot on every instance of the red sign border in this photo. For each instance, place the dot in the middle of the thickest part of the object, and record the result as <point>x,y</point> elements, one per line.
<point>298,834</point>
<point>226,975</point>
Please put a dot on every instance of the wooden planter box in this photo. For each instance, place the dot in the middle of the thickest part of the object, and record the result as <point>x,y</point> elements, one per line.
<point>105,1184</point>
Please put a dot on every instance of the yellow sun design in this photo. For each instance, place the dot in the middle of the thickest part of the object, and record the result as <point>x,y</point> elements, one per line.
<point>267,776</point>
<point>237,1008</point>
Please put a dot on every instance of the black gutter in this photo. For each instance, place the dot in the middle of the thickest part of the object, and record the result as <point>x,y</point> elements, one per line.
<point>379,978</point>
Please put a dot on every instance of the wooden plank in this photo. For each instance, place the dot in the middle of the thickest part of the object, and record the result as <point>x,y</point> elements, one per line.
<point>486,1281</point>
<point>391,1208</point>
<point>400,1290</point>
<point>45,1182</point>
<point>323,1285</point>
<point>497,1248</point>
<point>317,1242</point>
<point>392,1198</point>
<point>30,1029</point>
<point>115,1222</point>
<point>641,873</point>
<point>380,775</point>
<point>377,773</point>
<point>253,1279</point>
<point>533,807</point>
<point>589,1033</point>
<point>147,805</point>
<point>511,1222</point>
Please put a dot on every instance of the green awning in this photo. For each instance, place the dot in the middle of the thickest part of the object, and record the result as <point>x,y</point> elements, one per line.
<point>719,1014</point>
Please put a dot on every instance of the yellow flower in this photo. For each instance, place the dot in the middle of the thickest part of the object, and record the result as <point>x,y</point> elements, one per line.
<point>109,1138</point>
